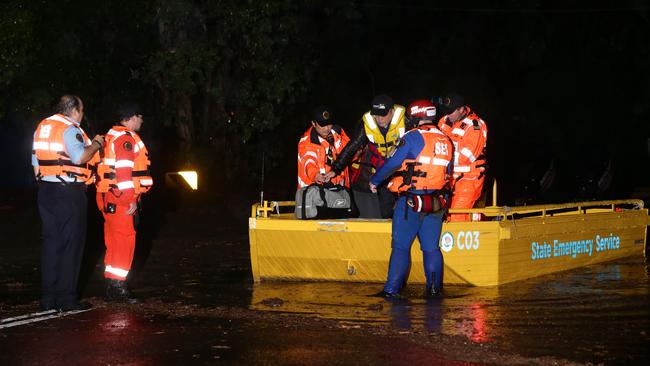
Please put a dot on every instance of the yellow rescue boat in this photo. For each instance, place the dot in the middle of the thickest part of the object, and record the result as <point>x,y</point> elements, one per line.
<point>511,244</point>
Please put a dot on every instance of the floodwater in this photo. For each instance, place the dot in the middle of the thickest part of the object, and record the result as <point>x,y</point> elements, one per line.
<point>200,306</point>
<point>599,313</point>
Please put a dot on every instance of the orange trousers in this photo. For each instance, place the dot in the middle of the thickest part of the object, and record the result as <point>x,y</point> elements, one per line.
<point>119,238</point>
<point>466,192</point>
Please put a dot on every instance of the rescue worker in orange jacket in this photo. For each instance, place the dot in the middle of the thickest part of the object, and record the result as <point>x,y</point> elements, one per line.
<point>376,135</point>
<point>123,176</point>
<point>468,133</point>
<point>420,168</point>
<point>318,148</point>
<point>60,157</point>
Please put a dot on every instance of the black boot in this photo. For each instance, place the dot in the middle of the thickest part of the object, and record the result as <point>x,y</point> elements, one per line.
<point>118,291</point>
<point>388,295</point>
<point>111,290</point>
<point>75,306</point>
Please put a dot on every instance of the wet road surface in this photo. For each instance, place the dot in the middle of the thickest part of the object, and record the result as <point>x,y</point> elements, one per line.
<point>108,336</point>
<point>201,307</point>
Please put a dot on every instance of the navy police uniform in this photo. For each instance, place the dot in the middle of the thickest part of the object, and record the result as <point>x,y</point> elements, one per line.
<point>62,204</point>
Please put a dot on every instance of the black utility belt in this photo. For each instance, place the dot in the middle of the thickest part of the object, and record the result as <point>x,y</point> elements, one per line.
<point>64,184</point>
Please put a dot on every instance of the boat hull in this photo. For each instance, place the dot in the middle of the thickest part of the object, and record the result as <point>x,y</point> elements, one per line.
<point>481,253</point>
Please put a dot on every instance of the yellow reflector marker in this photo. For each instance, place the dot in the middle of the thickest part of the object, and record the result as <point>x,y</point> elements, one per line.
<point>191,178</point>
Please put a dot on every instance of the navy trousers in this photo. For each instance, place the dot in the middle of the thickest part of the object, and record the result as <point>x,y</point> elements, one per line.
<point>406,226</point>
<point>63,215</point>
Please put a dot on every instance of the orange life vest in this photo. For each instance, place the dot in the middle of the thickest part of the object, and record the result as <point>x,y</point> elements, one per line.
<point>50,150</point>
<point>316,155</point>
<point>140,176</point>
<point>428,171</point>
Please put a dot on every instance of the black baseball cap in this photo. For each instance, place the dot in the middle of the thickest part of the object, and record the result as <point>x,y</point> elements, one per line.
<point>381,104</point>
<point>128,110</point>
<point>322,116</point>
<point>450,102</point>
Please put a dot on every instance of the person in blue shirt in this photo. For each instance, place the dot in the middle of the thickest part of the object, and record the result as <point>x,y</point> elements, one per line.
<point>419,169</point>
<point>62,152</point>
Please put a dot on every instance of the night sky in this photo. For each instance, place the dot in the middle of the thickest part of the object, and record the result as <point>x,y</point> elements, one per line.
<point>561,84</point>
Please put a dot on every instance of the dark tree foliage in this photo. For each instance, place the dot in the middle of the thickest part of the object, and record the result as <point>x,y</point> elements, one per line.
<point>227,82</point>
<point>218,77</point>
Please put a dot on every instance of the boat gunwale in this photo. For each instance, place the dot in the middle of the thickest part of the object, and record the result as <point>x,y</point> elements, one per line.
<point>271,209</point>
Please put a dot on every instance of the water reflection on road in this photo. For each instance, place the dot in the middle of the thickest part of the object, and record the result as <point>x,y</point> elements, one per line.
<point>597,313</point>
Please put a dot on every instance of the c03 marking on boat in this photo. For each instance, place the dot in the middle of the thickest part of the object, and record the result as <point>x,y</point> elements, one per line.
<point>467,240</point>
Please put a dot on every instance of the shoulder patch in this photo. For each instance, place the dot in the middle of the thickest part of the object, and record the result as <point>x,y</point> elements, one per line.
<point>476,125</point>
<point>79,137</point>
<point>127,146</point>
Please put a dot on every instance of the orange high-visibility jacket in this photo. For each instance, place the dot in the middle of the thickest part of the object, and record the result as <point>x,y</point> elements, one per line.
<point>469,136</point>
<point>428,171</point>
<point>50,150</point>
<point>316,155</point>
<point>125,163</point>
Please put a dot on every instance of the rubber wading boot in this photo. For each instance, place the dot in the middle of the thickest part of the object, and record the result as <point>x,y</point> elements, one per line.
<point>118,291</point>
<point>388,295</point>
<point>432,291</point>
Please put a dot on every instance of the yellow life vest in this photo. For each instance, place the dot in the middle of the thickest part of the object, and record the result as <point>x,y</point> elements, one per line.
<point>396,129</point>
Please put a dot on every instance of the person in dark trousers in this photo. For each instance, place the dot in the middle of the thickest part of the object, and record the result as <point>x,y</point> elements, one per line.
<point>419,172</point>
<point>61,158</point>
<point>372,141</point>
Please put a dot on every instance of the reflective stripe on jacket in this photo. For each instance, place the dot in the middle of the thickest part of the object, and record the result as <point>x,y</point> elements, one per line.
<point>50,151</point>
<point>316,155</point>
<point>140,179</point>
<point>429,170</point>
<point>469,136</point>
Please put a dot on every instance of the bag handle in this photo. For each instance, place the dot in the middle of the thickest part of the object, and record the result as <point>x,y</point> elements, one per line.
<point>333,187</point>
<point>321,190</point>
<point>303,209</point>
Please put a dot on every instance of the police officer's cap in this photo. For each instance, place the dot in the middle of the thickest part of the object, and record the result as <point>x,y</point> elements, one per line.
<point>322,116</point>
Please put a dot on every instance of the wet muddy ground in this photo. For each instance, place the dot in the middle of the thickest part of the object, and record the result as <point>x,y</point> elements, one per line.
<point>200,306</point>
